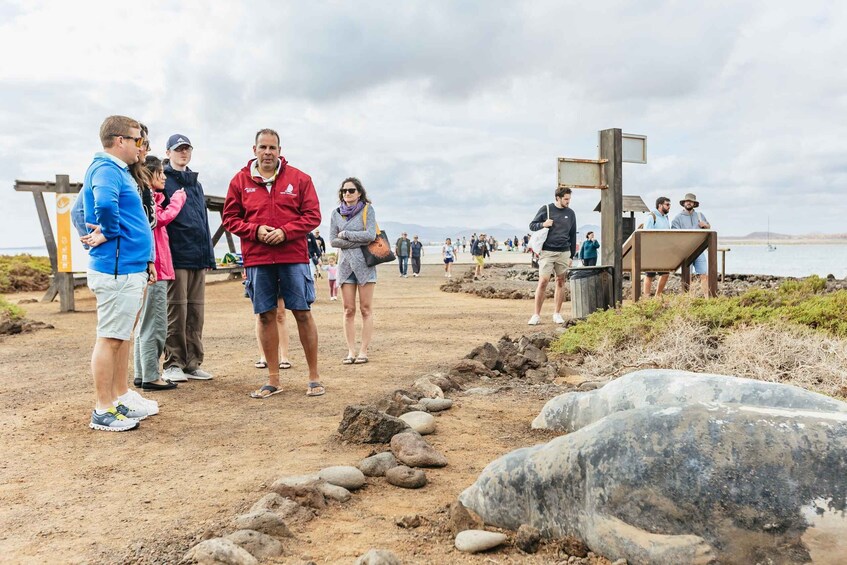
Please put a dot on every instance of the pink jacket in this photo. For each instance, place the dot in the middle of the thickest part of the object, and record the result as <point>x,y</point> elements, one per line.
<point>164,216</point>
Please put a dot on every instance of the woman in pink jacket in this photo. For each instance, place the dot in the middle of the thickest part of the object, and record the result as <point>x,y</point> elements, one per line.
<point>153,324</point>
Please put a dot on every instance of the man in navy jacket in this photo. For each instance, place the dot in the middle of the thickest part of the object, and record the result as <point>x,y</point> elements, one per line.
<point>192,254</point>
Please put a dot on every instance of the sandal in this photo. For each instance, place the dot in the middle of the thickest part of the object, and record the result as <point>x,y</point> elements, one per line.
<point>315,389</point>
<point>348,360</point>
<point>284,365</point>
<point>265,392</point>
<point>260,364</point>
<point>360,359</point>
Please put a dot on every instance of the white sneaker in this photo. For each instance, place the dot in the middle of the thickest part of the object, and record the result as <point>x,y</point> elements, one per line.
<point>175,374</point>
<point>131,398</point>
<point>535,320</point>
<point>557,318</point>
<point>199,375</point>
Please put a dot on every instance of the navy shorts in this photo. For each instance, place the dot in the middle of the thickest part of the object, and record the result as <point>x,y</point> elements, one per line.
<point>291,281</point>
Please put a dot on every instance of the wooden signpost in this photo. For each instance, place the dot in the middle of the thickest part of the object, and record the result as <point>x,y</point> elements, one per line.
<point>606,174</point>
<point>63,281</point>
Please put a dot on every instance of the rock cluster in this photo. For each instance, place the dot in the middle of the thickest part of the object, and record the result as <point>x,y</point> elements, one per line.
<point>398,423</point>
<point>518,282</point>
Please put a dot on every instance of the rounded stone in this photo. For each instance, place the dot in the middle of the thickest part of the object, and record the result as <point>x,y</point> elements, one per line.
<point>219,551</point>
<point>345,476</point>
<point>334,492</point>
<point>421,422</point>
<point>435,404</point>
<point>405,477</point>
<point>377,465</point>
<point>259,545</point>
<point>474,541</point>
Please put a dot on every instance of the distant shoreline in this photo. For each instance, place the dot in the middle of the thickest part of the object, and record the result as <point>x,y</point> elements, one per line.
<point>798,241</point>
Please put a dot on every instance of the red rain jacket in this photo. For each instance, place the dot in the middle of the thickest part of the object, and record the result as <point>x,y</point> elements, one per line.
<point>291,204</point>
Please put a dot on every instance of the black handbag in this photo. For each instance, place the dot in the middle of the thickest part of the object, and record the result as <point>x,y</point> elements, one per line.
<point>379,250</point>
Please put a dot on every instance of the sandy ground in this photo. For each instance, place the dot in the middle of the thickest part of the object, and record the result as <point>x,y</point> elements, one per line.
<point>69,494</point>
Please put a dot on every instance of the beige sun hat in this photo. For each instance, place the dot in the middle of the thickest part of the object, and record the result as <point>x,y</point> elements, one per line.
<point>689,196</point>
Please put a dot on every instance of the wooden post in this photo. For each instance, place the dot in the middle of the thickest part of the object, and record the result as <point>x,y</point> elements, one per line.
<point>64,282</point>
<point>611,204</point>
<point>636,266</point>
<point>713,264</point>
<point>685,275</point>
<point>49,242</point>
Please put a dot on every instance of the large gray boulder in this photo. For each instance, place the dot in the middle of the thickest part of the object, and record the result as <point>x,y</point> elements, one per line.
<point>683,484</point>
<point>660,387</point>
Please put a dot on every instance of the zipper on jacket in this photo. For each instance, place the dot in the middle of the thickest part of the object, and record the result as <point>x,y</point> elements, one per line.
<point>117,256</point>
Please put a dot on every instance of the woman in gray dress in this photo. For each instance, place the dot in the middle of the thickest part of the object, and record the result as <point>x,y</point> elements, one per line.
<point>353,226</point>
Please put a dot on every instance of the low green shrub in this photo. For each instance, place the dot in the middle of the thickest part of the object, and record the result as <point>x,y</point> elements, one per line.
<point>24,273</point>
<point>13,311</point>
<point>794,302</point>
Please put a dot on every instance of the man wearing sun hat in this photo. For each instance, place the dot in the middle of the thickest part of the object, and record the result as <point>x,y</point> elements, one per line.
<point>691,219</point>
<point>192,253</point>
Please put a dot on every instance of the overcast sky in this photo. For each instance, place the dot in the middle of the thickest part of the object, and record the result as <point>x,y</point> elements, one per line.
<point>451,113</point>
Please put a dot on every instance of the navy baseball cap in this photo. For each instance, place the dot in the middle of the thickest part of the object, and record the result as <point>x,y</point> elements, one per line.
<point>176,140</point>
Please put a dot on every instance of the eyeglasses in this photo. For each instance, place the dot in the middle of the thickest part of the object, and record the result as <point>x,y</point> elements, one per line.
<point>139,141</point>
<point>349,190</point>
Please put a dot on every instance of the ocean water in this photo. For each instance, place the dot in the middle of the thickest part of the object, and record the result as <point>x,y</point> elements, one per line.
<point>798,260</point>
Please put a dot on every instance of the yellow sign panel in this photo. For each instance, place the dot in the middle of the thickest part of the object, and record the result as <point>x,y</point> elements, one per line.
<point>63,232</point>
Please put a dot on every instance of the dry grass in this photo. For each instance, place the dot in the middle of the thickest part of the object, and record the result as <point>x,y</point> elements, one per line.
<point>769,352</point>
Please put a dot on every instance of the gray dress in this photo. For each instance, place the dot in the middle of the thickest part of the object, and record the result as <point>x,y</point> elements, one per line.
<point>357,235</point>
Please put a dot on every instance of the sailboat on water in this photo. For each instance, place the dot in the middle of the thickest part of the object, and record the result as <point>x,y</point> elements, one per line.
<point>770,247</point>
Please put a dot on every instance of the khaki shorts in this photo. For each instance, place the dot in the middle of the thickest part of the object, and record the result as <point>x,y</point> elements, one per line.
<point>480,260</point>
<point>119,300</point>
<point>553,261</point>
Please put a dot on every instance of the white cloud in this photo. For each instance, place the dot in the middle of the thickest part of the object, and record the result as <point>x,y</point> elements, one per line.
<point>451,113</point>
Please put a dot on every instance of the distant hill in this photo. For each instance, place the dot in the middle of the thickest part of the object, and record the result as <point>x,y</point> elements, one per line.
<point>763,235</point>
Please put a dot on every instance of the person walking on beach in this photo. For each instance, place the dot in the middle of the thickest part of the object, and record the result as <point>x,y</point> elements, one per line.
<point>271,206</point>
<point>332,276</point>
<point>448,256</point>
<point>321,243</point>
<point>118,274</point>
<point>464,244</point>
<point>479,251</point>
<point>192,254</point>
<point>284,338</point>
<point>588,251</point>
<point>691,219</point>
<point>556,253</point>
<point>402,248</point>
<point>153,322</point>
<point>417,253</point>
<point>353,226</point>
<point>658,220</point>
<point>314,254</point>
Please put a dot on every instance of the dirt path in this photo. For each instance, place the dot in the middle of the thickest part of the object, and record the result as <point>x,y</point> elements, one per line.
<point>73,495</point>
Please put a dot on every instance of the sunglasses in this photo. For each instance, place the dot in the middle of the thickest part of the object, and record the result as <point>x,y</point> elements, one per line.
<point>349,190</point>
<point>139,141</point>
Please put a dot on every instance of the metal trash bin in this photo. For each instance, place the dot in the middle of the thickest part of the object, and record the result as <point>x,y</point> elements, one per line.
<point>591,289</point>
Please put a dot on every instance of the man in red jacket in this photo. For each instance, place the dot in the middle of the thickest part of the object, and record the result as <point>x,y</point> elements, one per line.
<point>271,206</point>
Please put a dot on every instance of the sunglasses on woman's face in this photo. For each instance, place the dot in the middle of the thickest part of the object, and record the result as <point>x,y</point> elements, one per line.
<point>349,190</point>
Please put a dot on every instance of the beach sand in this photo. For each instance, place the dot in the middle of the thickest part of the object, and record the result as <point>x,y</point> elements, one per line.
<point>70,494</point>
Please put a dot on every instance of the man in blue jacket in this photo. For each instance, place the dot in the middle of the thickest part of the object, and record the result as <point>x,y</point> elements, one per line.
<point>192,254</point>
<point>120,246</point>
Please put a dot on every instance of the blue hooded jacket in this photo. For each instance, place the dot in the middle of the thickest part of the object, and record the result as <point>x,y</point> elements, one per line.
<point>109,198</point>
<point>190,238</point>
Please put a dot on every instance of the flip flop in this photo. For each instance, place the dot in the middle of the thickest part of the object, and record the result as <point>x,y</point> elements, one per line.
<point>315,389</point>
<point>261,364</point>
<point>270,390</point>
<point>348,360</point>
<point>284,365</point>
<point>360,360</point>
